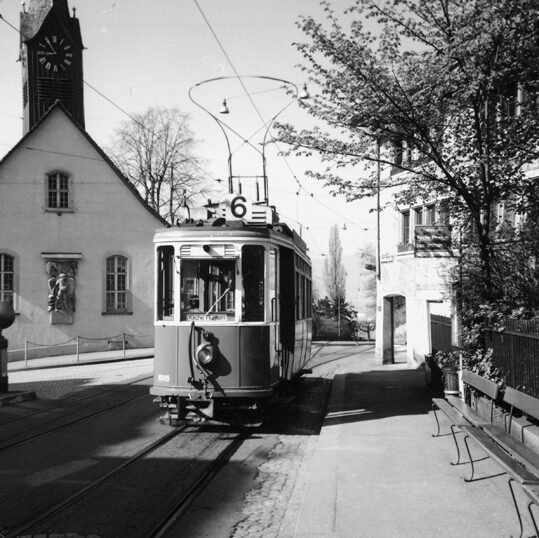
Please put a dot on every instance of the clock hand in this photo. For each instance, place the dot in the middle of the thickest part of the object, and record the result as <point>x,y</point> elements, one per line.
<point>50,45</point>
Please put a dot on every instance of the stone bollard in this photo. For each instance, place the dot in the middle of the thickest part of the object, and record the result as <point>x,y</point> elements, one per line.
<point>7,317</point>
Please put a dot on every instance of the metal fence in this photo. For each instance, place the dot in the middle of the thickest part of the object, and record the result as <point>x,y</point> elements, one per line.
<point>80,345</point>
<point>516,353</point>
<point>515,349</point>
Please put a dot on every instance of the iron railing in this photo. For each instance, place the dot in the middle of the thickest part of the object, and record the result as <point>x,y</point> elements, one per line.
<point>516,352</point>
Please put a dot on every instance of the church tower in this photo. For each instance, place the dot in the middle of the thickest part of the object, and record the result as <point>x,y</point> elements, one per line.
<point>51,56</point>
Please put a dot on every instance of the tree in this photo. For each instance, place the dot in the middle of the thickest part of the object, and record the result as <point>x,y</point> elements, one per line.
<point>155,151</point>
<point>453,82</point>
<point>334,272</point>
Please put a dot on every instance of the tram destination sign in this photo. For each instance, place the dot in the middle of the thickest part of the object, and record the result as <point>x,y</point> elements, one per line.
<point>206,317</point>
<point>432,241</point>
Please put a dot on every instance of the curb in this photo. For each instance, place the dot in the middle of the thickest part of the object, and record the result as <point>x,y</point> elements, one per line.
<point>16,397</point>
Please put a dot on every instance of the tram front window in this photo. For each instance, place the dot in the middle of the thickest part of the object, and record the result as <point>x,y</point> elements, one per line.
<point>208,290</point>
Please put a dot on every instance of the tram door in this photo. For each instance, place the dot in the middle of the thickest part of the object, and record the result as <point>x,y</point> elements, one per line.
<point>287,308</point>
<point>273,280</point>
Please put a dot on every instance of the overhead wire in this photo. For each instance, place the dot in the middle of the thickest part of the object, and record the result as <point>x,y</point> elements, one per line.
<point>196,165</point>
<point>249,96</point>
<point>118,107</point>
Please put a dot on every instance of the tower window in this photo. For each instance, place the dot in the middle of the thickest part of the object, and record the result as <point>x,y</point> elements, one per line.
<point>58,196</point>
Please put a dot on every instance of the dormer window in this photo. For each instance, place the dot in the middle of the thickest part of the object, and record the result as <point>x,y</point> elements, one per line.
<point>58,196</point>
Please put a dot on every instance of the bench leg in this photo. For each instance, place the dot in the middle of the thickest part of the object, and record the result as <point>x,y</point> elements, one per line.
<point>471,459</point>
<point>456,444</point>
<point>533,518</point>
<point>516,507</point>
<point>437,434</point>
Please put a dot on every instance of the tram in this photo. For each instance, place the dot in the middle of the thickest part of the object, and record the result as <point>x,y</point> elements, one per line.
<point>233,317</point>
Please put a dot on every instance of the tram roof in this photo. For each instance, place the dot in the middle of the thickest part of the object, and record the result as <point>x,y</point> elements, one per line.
<point>230,228</point>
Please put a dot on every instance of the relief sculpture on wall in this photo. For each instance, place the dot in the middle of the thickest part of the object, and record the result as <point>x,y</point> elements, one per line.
<point>61,284</point>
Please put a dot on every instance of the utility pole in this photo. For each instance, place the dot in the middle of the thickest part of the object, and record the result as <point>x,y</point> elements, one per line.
<point>170,203</point>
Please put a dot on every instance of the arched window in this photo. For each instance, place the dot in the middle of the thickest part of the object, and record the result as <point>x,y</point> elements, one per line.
<point>7,279</point>
<point>117,284</point>
<point>57,191</point>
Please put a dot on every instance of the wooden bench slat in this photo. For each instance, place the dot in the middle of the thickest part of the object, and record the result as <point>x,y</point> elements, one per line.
<point>493,449</point>
<point>526,403</point>
<point>464,409</point>
<point>487,387</point>
<point>519,451</point>
<point>447,409</point>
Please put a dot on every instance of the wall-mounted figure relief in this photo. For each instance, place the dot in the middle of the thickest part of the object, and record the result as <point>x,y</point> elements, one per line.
<point>61,282</point>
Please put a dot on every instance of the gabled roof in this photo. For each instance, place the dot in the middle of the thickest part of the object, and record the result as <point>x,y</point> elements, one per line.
<point>104,156</point>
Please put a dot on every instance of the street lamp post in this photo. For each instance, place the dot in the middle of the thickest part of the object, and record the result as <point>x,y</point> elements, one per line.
<point>378,173</point>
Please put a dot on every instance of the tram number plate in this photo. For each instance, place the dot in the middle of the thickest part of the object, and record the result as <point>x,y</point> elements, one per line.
<point>206,317</point>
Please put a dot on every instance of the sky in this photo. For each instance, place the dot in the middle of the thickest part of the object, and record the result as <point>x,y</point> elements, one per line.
<point>141,54</point>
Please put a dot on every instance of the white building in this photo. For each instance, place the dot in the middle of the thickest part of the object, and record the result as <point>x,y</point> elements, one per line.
<point>75,236</point>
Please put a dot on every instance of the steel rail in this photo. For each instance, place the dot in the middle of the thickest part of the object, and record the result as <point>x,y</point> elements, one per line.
<point>73,400</point>
<point>56,509</point>
<point>77,421</point>
<point>175,513</point>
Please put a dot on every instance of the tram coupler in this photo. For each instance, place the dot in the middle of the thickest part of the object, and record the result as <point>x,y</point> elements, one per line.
<point>196,410</point>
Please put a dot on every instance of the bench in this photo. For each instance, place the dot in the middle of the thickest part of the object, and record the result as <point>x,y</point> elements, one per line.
<point>520,462</point>
<point>461,414</point>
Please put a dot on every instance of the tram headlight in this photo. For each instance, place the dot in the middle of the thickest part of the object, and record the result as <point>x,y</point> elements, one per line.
<point>205,354</point>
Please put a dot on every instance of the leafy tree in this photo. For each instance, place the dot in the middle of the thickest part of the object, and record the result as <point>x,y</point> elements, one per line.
<point>333,320</point>
<point>155,151</point>
<point>454,83</point>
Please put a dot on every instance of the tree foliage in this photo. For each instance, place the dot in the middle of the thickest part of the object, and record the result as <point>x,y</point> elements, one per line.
<point>155,151</point>
<point>454,81</point>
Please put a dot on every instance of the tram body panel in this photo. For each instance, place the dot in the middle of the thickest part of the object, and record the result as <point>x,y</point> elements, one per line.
<point>244,362</point>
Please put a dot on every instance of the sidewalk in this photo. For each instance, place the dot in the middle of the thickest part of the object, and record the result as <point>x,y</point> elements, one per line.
<point>68,361</point>
<point>378,472</point>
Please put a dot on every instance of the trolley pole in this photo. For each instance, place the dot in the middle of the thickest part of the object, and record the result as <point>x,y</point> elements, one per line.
<point>7,317</point>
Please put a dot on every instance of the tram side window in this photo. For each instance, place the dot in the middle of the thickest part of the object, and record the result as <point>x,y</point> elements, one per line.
<point>165,282</point>
<point>208,289</point>
<point>253,282</point>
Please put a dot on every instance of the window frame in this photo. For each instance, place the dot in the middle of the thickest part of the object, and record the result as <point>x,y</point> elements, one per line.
<point>127,310</point>
<point>57,174</point>
<point>13,291</point>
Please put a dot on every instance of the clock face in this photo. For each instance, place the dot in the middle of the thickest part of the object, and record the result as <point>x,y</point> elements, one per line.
<point>55,53</point>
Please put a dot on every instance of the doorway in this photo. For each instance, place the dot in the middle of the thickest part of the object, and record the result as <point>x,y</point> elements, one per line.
<point>395,335</point>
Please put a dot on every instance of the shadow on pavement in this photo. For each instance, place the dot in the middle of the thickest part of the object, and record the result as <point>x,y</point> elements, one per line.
<point>378,394</point>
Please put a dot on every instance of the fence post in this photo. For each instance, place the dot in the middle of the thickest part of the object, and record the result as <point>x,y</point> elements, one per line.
<point>25,353</point>
<point>78,355</point>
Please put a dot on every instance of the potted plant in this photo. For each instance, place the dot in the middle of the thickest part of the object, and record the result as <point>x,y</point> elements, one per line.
<point>449,363</point>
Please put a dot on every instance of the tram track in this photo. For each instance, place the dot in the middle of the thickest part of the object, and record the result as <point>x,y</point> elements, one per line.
<point>79,420</point>
<point>63,516</point>
<point>339,357</point>
<point>171,519</point>
<point>42,518</point>
<point>73,401</point>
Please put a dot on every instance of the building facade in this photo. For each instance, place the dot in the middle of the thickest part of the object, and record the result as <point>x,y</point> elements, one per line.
<point>76,251</point>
